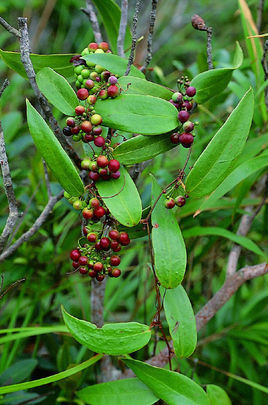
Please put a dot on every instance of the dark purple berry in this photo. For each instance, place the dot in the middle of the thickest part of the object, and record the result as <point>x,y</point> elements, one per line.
<point>183,116</point>
<point>186,140</point>
<point>191,91</point>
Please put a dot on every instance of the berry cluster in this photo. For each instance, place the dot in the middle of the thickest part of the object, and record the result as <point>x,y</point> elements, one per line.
<point>183,101</point>
<point>101,168</point>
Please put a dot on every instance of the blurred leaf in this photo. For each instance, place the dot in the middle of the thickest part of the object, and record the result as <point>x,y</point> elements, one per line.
<point>135,85</point>
<point>57,90</point>
<point>114,338</point>
<point>217,396</point>
<point>18,372</point>
<point>181,321</point>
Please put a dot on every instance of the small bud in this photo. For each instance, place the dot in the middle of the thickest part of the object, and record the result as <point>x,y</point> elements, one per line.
<point>198,23</point>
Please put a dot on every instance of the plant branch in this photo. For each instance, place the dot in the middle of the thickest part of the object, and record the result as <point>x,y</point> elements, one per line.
<point>199,24</point>
<point>9,28</point>
<point>264,63</point>
<point>259,15</point>
<point>134,37</point>
<point>150,35</point>
<point>11,286</point>
<point>122,28</point>
<point>90,12</point>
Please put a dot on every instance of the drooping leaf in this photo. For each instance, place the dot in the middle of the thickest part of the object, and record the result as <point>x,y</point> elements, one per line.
<point>135,85</point>
<point>210,230</point>
<point>239,174</point>
<point>168,244</point>
<point>122,198</point>
<point>181,321</point>
<point>141,148</point>
<point>51,150</point>
<point>171,387</point>
<point>59,62</point>
<point>210,83</point>
<point>111,15</point>
<point>214,164</point>
<point>130,391</point>
<point>114,338</point>
<point>57,90</point>
<point>217,396</point>
<point>145,115</point>
<point>114,63</point>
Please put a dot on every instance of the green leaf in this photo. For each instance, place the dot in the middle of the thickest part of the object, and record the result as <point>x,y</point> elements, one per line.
<point>181,321</point>
<point>141,148</point>
<point>239,174</point>
<point>114,63</point>
<point>168,244</point>
<point>52,378</point>
<point>130,391</point>
<point>111,15</point>
<point>60,63</point>
<point>214,164</point>
<point>171,387</point>
<point>217,396</point>
<point>57,90</point>
<point>26,332</point>
<point>145,115</point>
<point>212,82</point>
<point>113,338</point>
<point>135,85</point>
<point>51,150</point>
<point>18,372</point>
<point>122,198</point>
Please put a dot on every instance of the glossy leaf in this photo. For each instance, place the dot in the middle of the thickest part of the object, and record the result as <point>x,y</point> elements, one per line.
<point>122,198</point>
<point>239,174</point>
<point>168,244</point>
<point>135,85</point>
<point>173,388</point>
<point>141,148</point>
<point>240,240</point>
<point>113,338</point>
<point>210,83</point>
<point>145,115</point>
<point>214,164</point>
<point>217,396</point>
<point>53,378</point>
<point>57,90</point>
<point>114,63</point>
<point>108,8</point>
<point>51,150</point>
<point>181,321</point>
<point>59,62</point>
<point>130,391</point>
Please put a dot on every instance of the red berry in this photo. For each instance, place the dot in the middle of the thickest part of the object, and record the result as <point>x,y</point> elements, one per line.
<point>124,238</point>
<point>70,122</point>
<point>113,91</point>
<point>115,260</point>
<point>83,270</point>
<point>85,231</point>
<point>88,138</point>
<point>99,141</point>
<point>86,126</point>
<point>186,140</point>
<point>92,99</point>
<point>93,45</point>
<point>175,138</point>
<point>75,254</point>
<point>116,273</point>
<point>92,273</point>
<point>114,234</point>
<point>82,94</point>
<point>99,212</point>
<point>83,260</point>
<point>183,116</point>
<point>115,175</point>
<point>102,161</point>
<point>180,201</point>
<point>100,277</point>
<point>97,130</point>
<point>94,202</point>
<point>79,110</point>
<point>103,94</point>
<point>115,246</point>
<point>98,266</point>
<point>75,265</point>
<point>92,237</point>
<point>105,243</point>
<point>87,213</point>
<point>114,165</point>
<point>112,80</point>
<point>98,246</point>
<point>104,46</point>
<point>187,105</point>
<point>170,203</point>
<point>93,176</point>
<point>191,91</point>
<point>75,130</point>
<point>177,105</point>
<point>89,84</point>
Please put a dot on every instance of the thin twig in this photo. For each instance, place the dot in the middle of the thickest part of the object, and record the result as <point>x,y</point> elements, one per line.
<point>150,35</point>
<point>4,86</point>
<point>9,28</point>
<point>90,12</point>
<point>11,286</point>
<point>47,180</point>
<point>199,24</point>
<point>134,37</point>
<point>259,15</point>
<point>264,63</point>
<point>122,28</point>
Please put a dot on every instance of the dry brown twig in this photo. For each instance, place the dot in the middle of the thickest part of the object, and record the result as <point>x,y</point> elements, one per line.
<point>90,12</point>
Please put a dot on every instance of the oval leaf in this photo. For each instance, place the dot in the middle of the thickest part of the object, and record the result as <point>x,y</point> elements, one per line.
<point>141,148</point>
<point>114,63</point>
<point>145,115</point>
<point>60,63</point>
<point>135,85</point>
<point>122,198</point>
<point>214,163</point>
<point>57,90</point>
<point>212,82</point>
<point>51,150</point>
<point>130,391</point>
<point>181,321</point>
<point>171,387</point>
<point>217,396</point>
<point>168,244</point>
<point>113,338</point>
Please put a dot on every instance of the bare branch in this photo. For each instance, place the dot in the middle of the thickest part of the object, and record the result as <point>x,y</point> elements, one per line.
<point>259,15</point>
<point>134,37</point>
<point>35,227</point>
<point>90,12</point>
<point>150,35</point>
<point>9,28</point>
<point>264,63</point>
<point>11,286</point>
<point>4,86</point>
<point>199,24</point>
<point>122,28</point>
<point>47,180</point>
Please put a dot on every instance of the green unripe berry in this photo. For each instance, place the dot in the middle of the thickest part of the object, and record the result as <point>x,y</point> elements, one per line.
<point>99,68</point>
<point>85,73</point>
<point>78,69</point>
<point>77,138</point>
<point>72,200</point>
<point>96,119</point>
<point>78,205</point>
<point>67,195</point>
<point>90,64</point>
<point>80,78</point>
<point>85,164</point>
<point>93,75</point>
<point>85,52</point>
<point>77,84</point>
<point>99,51</point>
